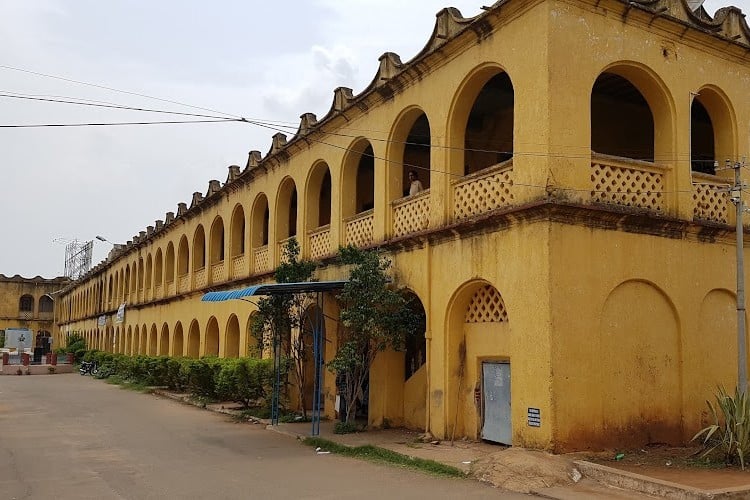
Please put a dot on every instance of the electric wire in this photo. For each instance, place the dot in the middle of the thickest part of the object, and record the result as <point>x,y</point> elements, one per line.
<point>107,124</point>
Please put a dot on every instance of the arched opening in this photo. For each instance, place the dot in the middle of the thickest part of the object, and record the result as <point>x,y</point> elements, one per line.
<point>158,268</point>
<point>232,338</point>
<point>129,341</point>
<point>304,345</point>
<point>164,341</point>
<point>286,210</point>
<point>152,341</point>
<point>211,345</point>
<point>109,290</point>
<point>140,275</point>
<point>260,222</point>
<point>318,206</point>
<point>169,263</point>
<point>136,346</point>
<point>199,249</point>
<point>194,340</point>
<point>143,350</point>
<point>183,257</point>
<point>238,231</point>
<point>46,304</point>
<point>478,346</point>
<point>149,272</point>
<point>488,129</point>
<point>126,283</point>
<point>177,340</point>
<point>216,250</point>
<point>26,304</point>
<point>359,179</point>
<point>254,347</point>
<point>712,131</point>
<point>410,151</point>
<point>622,123</point>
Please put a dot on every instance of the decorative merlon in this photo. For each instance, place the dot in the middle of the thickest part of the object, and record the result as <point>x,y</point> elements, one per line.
<point>234,172</point>
<point>306,123</point>
<point>390,66</point>
<point>149,230</point>
<point>278,141</point>
<point>169,217</point>
<point>181,209</point>
<point>253,160</point>
<point>197,199</point>
<point>159,224</point>
<point>214,187</point>
<point>342,97</point>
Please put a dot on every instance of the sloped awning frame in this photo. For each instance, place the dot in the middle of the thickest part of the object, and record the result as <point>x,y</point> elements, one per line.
<point>312,287</point>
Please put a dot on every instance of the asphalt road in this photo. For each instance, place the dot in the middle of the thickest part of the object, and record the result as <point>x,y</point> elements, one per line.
<point>72,437</point>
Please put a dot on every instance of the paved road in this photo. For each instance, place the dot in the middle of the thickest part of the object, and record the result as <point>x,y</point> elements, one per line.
<point>72,437</point>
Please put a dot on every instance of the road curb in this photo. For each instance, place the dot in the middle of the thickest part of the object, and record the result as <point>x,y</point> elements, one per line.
<point>652,486</point>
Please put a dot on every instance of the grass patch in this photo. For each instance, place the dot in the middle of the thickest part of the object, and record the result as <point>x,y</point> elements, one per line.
<point>382,455</point>
<point>126,384</point>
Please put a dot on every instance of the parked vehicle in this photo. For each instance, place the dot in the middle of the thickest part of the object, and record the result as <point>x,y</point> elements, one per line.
<point>88,368</point>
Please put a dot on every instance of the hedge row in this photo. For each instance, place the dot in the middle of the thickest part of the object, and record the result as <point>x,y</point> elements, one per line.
<point>245,380</point>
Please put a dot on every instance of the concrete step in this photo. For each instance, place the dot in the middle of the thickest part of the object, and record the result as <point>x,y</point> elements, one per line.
<point>587,489</point>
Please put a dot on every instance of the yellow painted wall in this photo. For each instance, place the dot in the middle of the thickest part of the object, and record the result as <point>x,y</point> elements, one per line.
<point>616,290</point>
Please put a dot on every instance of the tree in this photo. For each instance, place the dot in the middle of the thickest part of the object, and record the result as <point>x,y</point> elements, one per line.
<point>374,315</point>
<point>278,323</point>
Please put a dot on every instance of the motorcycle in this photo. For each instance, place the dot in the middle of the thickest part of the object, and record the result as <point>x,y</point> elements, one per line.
<point>88,368</point>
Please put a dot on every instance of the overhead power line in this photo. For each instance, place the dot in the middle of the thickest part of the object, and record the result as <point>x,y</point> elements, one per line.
<point>107,124</point>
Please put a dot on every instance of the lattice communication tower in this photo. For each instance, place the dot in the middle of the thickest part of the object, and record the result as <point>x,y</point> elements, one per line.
<point>78,258</point>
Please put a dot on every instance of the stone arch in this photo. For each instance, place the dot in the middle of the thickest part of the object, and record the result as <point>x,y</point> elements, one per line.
<point>632,113</point>
<point>476,142</point>
<point>211,340</point>
<point>163,346</point>
<point>183,257</point>
<point>129,341</point>
<point>194,340</point>
<point>159,268</point>
<point>358,178</point>
<point>318,196</point>
<point>713,130</point>
<point>478,329</point>
<point>409,150</point>
<point>199,248</point>
<point>254,348</point>
<point>149,272</point>
<point>216,247</point>
<point>640,356</point>
<point>126,283</point>
<point>140,274</point>
<point>260,221</point>
<point>143,349</point>
<point>286,210</point>
<point>153,341</point>
<point>46,304</point>
<point>176,346</point>
<point>136,347</point>
<point>237,232</point>
<point>169,262</point>
<point>231,339</point>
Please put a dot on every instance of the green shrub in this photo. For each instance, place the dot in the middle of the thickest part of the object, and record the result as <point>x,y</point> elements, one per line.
<point>345,428</point>
<point>730,431</point>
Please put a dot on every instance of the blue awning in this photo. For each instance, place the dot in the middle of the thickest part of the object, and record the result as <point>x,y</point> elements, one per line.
<point>273,289</point>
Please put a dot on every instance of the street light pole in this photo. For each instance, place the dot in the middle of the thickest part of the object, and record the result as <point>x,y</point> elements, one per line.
<point>741,347</point>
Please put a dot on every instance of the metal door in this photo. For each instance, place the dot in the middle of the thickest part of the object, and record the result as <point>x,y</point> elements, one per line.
<point>496,389</point>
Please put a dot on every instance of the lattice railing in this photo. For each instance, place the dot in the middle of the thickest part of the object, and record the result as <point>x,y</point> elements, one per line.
<point>320,242</point>
<point>280,246</point>
<point>359,229</point>
<point>411,214</point>
<point>149,295</point>
<point>261,261</point>
<point>183,282</point>
<point>200,278</point>
<point>711,197</point>
<point>239,266</point>
<point>625,182</point>
<point>157,292</point>
<point>171,289</point>
<point>218,272</point>
<point>484,191</point>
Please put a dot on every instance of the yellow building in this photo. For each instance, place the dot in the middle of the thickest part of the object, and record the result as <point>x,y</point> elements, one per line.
<point>573,247</point>
<point>28,304</point>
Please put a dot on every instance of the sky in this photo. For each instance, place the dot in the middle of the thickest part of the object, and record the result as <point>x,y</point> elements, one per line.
<point>251,59</point>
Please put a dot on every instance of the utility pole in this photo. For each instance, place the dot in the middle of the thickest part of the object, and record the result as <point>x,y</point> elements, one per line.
<point>741,348</point>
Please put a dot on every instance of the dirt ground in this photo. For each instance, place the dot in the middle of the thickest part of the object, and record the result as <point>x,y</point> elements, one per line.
<point>678,465</point>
